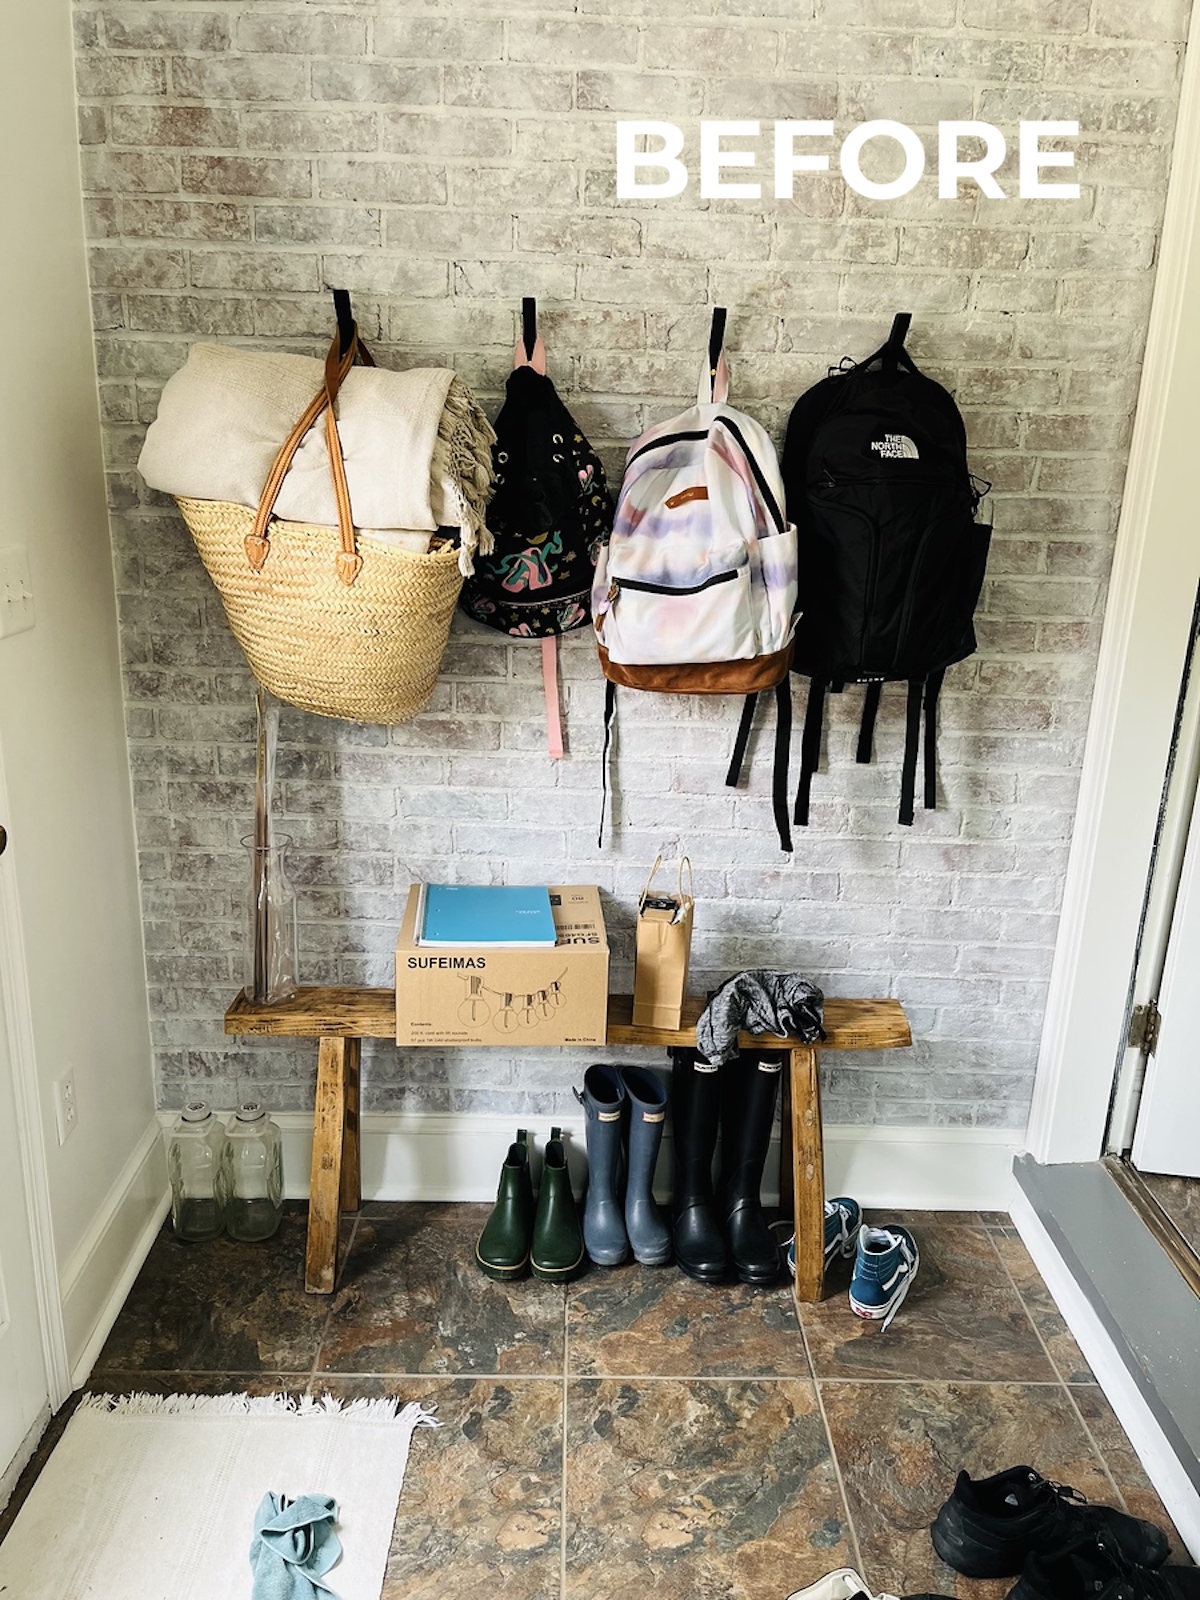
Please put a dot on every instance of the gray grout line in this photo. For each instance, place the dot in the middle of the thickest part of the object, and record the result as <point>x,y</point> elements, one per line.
<point>1062,1382</point>
<point>833,1455</point>
<point>955,1383</point>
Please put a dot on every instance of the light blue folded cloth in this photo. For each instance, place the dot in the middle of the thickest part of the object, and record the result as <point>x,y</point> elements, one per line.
<point>294,1546</point>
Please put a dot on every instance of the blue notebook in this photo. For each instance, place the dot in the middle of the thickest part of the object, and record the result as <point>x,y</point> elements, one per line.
<point>495,918</point>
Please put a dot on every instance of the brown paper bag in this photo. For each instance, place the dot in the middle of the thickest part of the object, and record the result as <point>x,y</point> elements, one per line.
<point>662,952</point>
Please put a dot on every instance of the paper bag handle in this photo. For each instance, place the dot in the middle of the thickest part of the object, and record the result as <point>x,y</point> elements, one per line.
<point>684,861</point>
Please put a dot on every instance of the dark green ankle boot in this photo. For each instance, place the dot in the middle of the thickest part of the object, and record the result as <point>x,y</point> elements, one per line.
<point>557,1236</point>
<point>503,1248</point>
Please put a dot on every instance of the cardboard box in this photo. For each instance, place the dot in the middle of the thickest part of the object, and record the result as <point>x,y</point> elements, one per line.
<point>468,996</point>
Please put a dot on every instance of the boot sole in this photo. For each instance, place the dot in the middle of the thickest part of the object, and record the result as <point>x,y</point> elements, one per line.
<point>502,1274</point>
<point>759,1280</point>
<point>723,1276</point>
<point>559,1274</point>
<point>607,1261</point>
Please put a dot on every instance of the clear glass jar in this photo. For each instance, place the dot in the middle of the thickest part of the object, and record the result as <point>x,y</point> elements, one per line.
<point>271,924</point>
<point>196,1163</point>
<point>254,1174</point>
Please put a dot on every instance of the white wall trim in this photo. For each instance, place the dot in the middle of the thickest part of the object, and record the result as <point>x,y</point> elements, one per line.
<point>1143,649</point>
<point>18,1012</point>
<point>101,1269</point>
<point>433,1156</point>
<point>8,1478</point>
<point>1175,1489</point>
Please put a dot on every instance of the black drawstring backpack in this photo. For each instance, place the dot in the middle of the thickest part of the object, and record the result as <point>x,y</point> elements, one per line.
<point>549,516</point>
<point>891,557</point>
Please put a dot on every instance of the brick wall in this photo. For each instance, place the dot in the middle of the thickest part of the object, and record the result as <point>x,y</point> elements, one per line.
<point>440,161</point>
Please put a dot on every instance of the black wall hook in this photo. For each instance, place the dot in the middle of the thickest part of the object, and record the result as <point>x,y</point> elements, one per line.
<point>345,319</point>
<point>716,339</point>
<point>901,323</point>
<point>529,325</point>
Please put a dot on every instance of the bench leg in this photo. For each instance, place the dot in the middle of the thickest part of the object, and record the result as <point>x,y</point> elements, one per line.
<point>337,1060</point>
<point>351,1192</point>
<point>808,1175</point>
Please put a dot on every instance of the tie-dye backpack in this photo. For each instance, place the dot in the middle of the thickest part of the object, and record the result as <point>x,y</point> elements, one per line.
<point>549,518</point>
<point>695,592</point>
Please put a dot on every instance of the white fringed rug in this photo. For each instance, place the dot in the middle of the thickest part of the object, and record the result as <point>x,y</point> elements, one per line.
<point>152,1497</point>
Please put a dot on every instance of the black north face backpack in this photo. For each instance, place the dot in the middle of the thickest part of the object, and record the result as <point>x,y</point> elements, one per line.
<point>549,516</point>
<point>891,556</point>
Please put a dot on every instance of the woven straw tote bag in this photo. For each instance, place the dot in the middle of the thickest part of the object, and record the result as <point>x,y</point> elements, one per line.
<point>328,626</point>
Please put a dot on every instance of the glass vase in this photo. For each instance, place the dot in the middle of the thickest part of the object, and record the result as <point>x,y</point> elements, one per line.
<point>271,969</point>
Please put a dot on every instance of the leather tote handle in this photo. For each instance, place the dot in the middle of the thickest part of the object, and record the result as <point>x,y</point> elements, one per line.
<point>257,543</point>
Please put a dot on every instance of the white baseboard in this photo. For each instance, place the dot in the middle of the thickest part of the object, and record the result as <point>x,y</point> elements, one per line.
<point>430,1156</point>
<point>101,1269</point>
<point>923,1169</point>
<point>10,1474</point>
<point>1174,1488</point>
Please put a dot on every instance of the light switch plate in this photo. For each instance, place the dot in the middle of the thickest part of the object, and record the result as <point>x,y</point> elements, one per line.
<point>16,591</point>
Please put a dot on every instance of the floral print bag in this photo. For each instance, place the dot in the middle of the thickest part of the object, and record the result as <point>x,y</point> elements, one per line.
<point>550,515</point>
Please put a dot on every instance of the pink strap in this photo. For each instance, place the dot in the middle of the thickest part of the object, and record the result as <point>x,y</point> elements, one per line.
<point>713,391</point>
<point>554,734</point>
<point>537,360</point>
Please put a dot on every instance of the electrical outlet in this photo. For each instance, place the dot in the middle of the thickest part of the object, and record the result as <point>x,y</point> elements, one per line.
<point>66,1108</point>
<point>16,591</point>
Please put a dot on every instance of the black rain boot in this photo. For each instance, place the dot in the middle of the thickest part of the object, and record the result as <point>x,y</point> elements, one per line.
<point>700,1247</point>
<point>749,1089</point>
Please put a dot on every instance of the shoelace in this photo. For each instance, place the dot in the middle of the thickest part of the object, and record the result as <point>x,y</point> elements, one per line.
<point>1132,1582</point>
<point>1065,1492</point>
<point>907,1257</point>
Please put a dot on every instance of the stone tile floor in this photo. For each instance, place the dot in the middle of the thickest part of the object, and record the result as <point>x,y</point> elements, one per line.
<point>636,1430</point>
<point>1180,1199</point>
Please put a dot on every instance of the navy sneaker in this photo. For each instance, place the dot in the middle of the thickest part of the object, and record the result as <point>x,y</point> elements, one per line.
<point>843,1219</point>
<point>885,1264</point>
<point>989,1526</point>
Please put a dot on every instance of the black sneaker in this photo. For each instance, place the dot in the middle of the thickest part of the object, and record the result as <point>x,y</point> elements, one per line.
<point>1092,1568</point>
<point>988,1527</point>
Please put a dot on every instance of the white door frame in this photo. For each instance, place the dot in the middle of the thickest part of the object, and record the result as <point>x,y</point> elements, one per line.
<point>18,1012</point>
<point>1143,650</point>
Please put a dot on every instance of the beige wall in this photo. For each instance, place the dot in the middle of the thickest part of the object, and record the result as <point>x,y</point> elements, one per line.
<point>61,727</point>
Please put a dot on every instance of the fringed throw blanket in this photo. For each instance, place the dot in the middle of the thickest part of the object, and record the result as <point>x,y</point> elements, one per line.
<point>154,1497</point>
<point>417,445</point>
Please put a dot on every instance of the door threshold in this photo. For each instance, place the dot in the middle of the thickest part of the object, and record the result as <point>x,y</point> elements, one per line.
<point>1172,1242</point>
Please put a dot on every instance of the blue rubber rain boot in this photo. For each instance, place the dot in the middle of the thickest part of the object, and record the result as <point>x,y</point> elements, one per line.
<point>603,1101</point>
<point>648,1232</point>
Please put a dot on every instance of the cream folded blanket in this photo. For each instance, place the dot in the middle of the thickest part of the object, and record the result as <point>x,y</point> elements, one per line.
<point>417,445</point>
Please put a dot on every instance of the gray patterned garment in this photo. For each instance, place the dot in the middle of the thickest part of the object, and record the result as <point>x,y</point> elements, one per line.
<point>783,1003</point>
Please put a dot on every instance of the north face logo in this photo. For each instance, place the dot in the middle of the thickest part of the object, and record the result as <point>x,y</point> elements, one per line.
<point>893,446</point>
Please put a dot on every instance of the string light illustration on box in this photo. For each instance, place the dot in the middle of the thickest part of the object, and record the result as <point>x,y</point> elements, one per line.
<point>538,1006</point>
<point>475,1010</point>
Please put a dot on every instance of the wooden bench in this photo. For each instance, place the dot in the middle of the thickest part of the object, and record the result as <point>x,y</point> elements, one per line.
<point>341,1018</point>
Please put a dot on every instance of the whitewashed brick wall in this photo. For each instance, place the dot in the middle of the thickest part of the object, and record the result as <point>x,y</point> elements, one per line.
<point>440,161</point>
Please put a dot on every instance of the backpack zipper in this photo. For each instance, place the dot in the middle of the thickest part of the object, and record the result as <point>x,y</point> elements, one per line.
<point>828,480</point>
<point>665,588</point>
